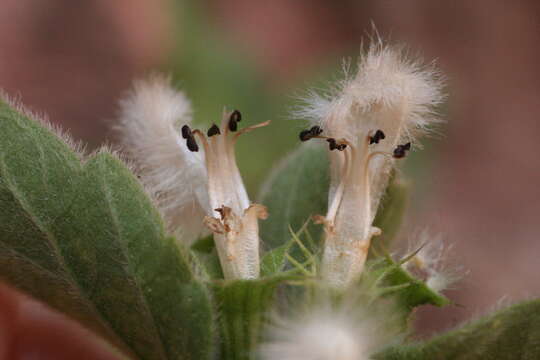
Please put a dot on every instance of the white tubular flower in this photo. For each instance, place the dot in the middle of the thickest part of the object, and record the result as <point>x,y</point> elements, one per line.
<point>327,333</point>
<point>236,230</point>
<point>193,188</point>
<point>370,121</point>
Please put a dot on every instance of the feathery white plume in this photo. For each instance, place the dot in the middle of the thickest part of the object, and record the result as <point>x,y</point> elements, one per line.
<point>370,119</point>
<point>432,261</point>
<point>150,120</point>
<point>326,332</point>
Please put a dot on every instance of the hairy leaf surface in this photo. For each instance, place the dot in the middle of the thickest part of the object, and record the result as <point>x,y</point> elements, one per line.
<point>85,239</point>
<point>510,334</point>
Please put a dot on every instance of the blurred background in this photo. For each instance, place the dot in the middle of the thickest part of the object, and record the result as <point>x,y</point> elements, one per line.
<point>478,183</point>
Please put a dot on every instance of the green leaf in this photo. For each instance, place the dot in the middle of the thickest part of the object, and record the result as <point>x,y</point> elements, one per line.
<point>296,190</point>
<point>510,334</point>
<point>206,253</point>
<point>391,210</point>
<point>243,305</point>
<point>389,279</point>
<point>86,240</point>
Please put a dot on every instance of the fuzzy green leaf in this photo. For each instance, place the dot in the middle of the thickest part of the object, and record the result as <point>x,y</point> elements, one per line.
<point>416,292</point>
<point>85,239</point>
<point>243,305</point>
<point>388,278</point>
<point>391,211</point>
<point>296,190</point>
<point>206,253</point>
<point>510,334</point>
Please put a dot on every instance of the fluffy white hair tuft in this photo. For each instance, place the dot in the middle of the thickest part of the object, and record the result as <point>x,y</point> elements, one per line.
<point>331,332</point>
<point>388,79</point>
<point>433,261</point>
<point>150,119</point>
<point>391,91</point>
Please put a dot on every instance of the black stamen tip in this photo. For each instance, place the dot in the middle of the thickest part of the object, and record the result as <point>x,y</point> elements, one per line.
<point>401,150</point>
<point>399,153</point>
<point>308,134</point>
<point>192,144</point>
<point>332,144</point>
<point>233,125</point>
<point>341,147</point>
<point>378,136</point>
<point>305,135</point>
<point>236,116</point>
<point>186,132</point>
<point>214,130</point>
<point>316,130</point>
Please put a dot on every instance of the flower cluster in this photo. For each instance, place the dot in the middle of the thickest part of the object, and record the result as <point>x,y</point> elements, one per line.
<point>370,120</point>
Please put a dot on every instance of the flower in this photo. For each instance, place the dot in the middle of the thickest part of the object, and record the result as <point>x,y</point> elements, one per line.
<point>193,186</point>
<point>369,120</point>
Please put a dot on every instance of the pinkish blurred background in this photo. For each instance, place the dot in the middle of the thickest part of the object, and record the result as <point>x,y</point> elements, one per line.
<point>478,184</point>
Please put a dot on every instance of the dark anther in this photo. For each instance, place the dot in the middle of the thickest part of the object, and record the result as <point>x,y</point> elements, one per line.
<point>233,125</point>
<point>379,135</point>
<point>306,135</point>
<point>401,150</point>
<point>186,132</point>
<point>192,144</point>
<point>332,144</point>
<point>315,130</point>
<point>236,116</point>
<point>214,130</point>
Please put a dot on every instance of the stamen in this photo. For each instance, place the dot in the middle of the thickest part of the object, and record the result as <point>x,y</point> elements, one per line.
<point>309,134</point>
<point>401,150</point>
<point>214,130</point>
<point>305,135</point>
<point>236,116</point>
<point>192,144</point>
<point>250,128</point>
<point>378,136</point>
<point>205,144</point>
<point>334,145</point>
<point>233,125</point>
<point>336,201</point>
<point>186,131</point>
<point>316,130</point>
